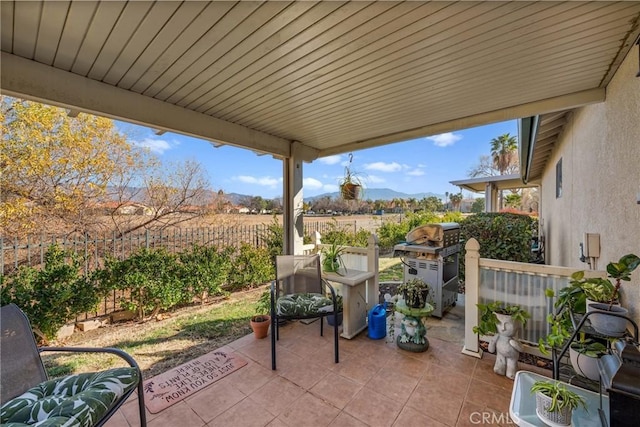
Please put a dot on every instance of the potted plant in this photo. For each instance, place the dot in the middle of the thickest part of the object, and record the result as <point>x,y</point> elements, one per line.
<point>415,292</point>
<point>584,355</point>
<point>618,271</point>
<point>332,258</point>
<point>339,307</point>
<point>503,321</point>
<point>261,321</point>
<point>555,403</point>
<point>350,185</point>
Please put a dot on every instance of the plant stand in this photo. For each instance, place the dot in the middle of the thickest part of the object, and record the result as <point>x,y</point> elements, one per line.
<point>413,335</point>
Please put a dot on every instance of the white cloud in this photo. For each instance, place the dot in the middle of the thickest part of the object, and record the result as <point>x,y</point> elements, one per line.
<point>444,139</point>
<point>265,181</point>
<point>416,172</point>
<point>373,179</point>
<point>383,167</point>
<point>158,146</point>
<point>330,188</point>
<point>330,160</point>
<point>312,183</point>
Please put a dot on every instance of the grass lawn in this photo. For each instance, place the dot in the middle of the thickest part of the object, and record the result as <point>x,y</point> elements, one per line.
<point>185,334</point>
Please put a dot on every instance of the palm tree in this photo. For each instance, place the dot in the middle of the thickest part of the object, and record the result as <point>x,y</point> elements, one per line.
<point>504,152</point>
<point>456,200</point>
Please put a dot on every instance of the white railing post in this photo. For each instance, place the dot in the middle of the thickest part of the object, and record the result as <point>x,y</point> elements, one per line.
<point>471,282</point>
<point>373,253</point>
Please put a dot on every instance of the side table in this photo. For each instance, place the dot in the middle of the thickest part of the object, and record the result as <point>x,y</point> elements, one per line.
<point>413,333</point>
<point>357,296</point>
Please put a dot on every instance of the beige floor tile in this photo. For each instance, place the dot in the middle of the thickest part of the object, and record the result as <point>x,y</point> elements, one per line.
<point>247,413</point>
<point>277,395</point>
<point>356,369</point>
<point>409,365</point>
<point>409,417</point>
<point>346,420</point>
<point>117,420</point>
<point>310,411</point>
<point>446,379</point>
<point>394,384</point>
<point>489,395</point>
<point>214,400</point>
<point>179,414</point>
<point>430,400</point>
<point>250,378</point>
<point>373,408</point>
<point>336,389</point>
<point>305,375</point>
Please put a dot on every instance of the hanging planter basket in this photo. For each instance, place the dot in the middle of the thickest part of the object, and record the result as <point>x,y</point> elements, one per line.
<point>350,191</point>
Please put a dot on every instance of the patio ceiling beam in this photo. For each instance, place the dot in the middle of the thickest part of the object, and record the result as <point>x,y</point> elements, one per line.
<point>31,80</point>
<point>563,102</point>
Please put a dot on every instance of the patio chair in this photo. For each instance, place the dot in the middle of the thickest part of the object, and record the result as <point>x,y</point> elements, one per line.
<point>300,292</point>
<point>28,397</point>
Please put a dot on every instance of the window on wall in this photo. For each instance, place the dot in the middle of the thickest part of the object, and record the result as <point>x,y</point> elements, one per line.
<point>559,179</point>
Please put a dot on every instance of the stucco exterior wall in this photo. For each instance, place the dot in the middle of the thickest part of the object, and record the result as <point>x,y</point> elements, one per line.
<point>600,152</point>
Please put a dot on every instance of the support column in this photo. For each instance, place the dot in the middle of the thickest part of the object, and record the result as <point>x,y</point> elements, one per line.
<point>490,198</point>
<point>292,202</point>
<point>471,281</point>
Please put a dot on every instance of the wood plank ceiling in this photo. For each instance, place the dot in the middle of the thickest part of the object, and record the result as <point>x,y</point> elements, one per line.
<point>335,76</point>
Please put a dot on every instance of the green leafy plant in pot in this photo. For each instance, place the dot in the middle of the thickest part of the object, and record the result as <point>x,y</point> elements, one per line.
<point>584,355</point>
<point>555,403</point>
<point>618,271</point>
<point>350,185</point>
<point>340,308</point>
<point>415,292</point>
<point>332,258</point>
<point>261,321</point>
<point>489,321</point>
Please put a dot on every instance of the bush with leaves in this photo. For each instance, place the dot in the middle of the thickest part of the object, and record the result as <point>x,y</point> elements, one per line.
<point>205,270</point>
<point>251,267</point>
<point>154,278</point>
<point>273,238</point>
<point>392,233</point>
<point>503,236</point>
<point>52,296</point>
<point>342,235</point>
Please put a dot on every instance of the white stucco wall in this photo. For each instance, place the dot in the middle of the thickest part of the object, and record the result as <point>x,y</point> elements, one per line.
<point>600,151</point>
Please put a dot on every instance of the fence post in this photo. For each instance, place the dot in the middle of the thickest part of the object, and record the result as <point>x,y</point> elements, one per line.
<point>472,281</point>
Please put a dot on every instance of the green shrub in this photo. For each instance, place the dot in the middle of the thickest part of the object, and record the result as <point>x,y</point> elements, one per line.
<point>251,267</point>
<point>205,270</point>
<point>273,238</point>
<point>503,236</point>
<point>152,276</point>
<point>52,296</point>
<point>392,233</point>
<point>342,235</point>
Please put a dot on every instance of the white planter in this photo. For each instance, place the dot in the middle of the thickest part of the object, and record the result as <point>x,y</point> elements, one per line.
<point>609,325</point>
<point>553,419</point>
<point>584,365</point>
<point>589,302</point>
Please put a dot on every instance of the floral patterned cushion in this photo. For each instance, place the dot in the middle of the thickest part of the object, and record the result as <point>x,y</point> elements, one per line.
<point>76,400</point>
<point>307,304</point>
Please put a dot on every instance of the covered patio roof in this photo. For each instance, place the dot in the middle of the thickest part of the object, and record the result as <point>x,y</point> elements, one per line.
<point>499,182</point>
<point>332,76</point>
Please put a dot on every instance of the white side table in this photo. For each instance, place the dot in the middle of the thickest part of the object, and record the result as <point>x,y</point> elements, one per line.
<point>358,296</point>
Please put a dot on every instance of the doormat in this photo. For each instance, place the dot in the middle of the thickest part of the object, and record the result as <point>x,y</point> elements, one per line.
<point>183,381</point>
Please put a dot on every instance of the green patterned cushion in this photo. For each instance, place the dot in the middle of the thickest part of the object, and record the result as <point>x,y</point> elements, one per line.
<point>303,304</point>
<point>76,400</point>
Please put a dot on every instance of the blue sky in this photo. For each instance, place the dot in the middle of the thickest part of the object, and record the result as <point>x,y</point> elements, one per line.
<point>420,165</point>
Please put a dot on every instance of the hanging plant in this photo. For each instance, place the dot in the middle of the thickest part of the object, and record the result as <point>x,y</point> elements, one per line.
<point>350,185</point>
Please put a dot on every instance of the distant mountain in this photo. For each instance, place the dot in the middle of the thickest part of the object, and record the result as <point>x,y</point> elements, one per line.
<point>380,194</point>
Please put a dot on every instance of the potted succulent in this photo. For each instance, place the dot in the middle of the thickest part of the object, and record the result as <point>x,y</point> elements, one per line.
<point>555,403</point>
<point>261,321</point>
<point>415,292</point>
<point>332,258</point>
<point>350,185</point>
<point>618,271</point>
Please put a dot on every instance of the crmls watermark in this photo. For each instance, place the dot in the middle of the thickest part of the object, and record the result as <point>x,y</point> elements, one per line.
<point>488,417</point>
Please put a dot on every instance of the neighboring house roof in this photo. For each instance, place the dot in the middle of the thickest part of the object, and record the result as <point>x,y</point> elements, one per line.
<point>501,182</point>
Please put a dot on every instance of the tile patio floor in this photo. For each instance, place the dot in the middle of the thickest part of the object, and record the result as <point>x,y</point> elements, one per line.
<point>375,384</point>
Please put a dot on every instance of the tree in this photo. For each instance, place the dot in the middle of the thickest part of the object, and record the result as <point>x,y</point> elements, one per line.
<point>55,168</point>
<point>478,205</point>
<point>77,174</point>
<point>504,150</point>
<point>455,199</point>
<point>431,204</point>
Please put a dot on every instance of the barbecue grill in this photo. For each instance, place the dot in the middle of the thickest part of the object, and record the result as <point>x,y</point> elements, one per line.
<point>431,253</point>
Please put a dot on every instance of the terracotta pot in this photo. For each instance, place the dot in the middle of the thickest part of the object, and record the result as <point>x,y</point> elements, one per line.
<point>260,328</point>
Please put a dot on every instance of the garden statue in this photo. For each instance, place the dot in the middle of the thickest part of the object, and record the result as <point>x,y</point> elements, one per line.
<point>507,347</point>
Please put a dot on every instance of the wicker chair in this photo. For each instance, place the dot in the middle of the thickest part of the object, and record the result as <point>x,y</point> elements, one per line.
<point>28,397</point>
<point>300,292</point>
